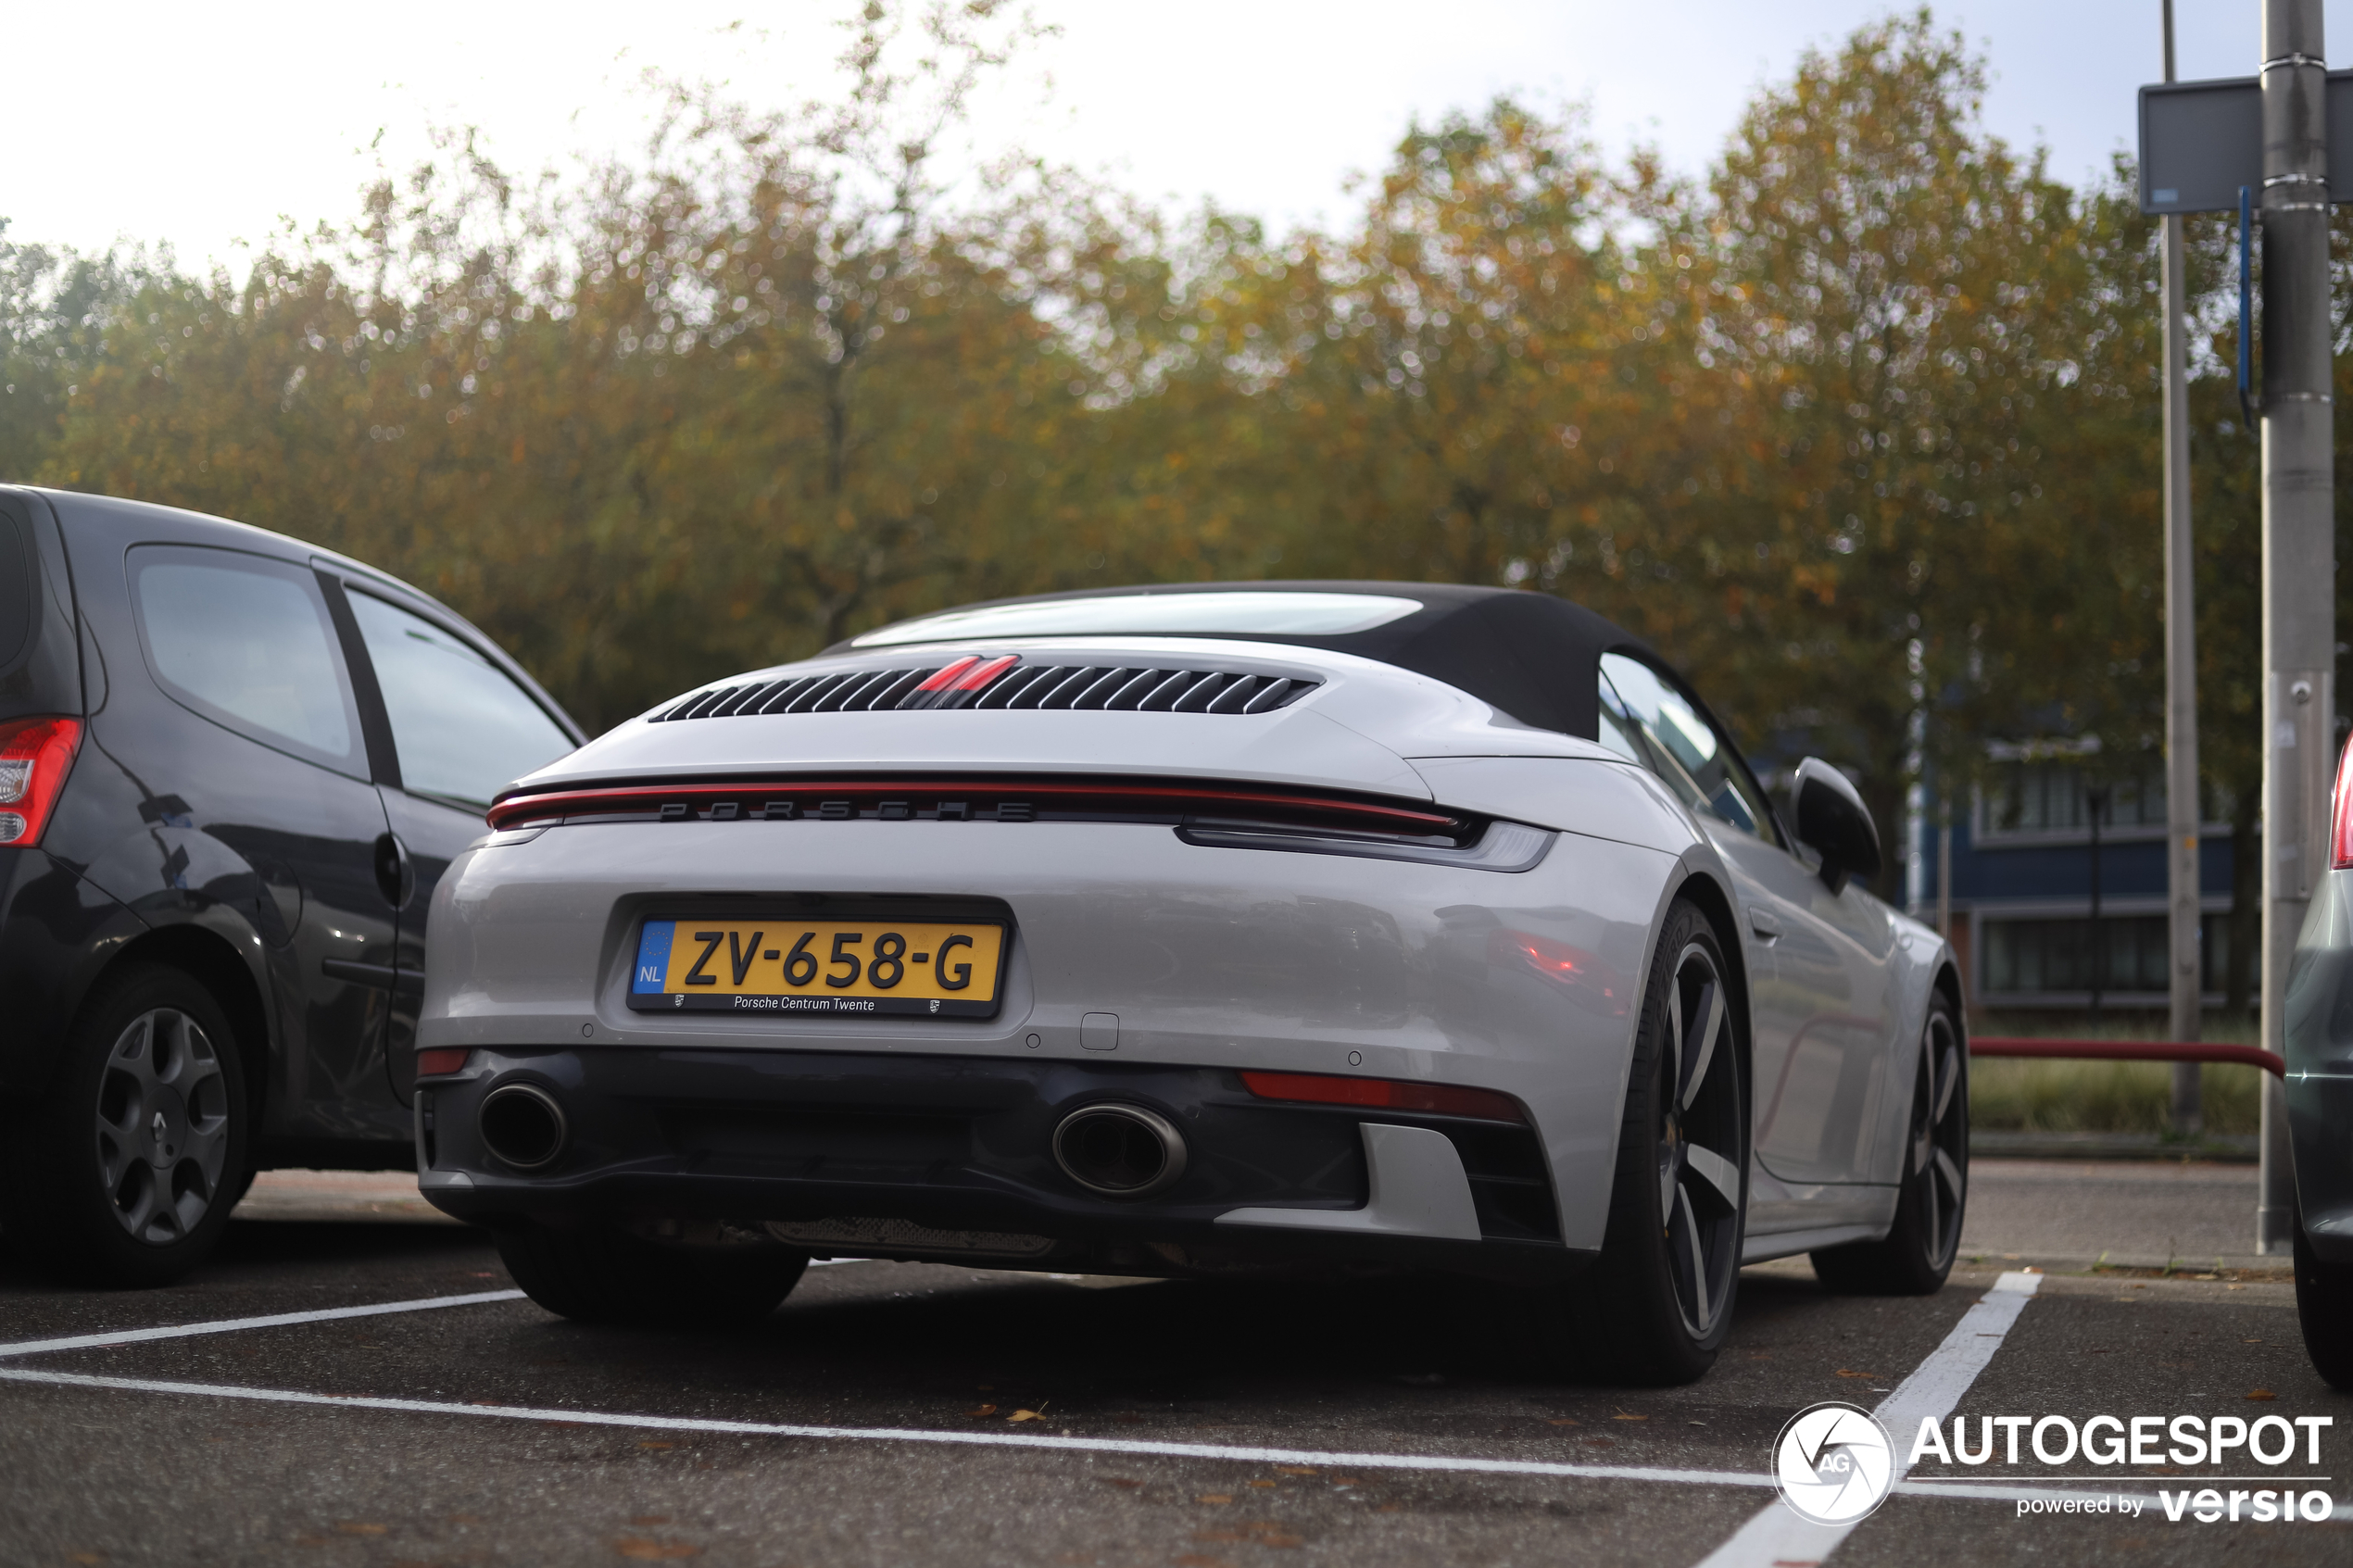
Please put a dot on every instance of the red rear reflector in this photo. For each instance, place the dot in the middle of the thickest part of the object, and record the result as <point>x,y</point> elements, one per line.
<point>2341,815</point>
<point>940,678</point>
<point>442,1061</point>
<point>1385,1094</point>
<point>987,672</point>
<point>35,757</point>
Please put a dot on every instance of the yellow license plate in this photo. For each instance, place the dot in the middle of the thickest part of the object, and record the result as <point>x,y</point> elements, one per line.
<point>944,969</point>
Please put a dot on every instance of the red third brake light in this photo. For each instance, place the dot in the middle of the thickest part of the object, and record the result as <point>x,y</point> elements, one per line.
<point>1385,1094</point>
<point>35,757</point>
<point>2341,815</point>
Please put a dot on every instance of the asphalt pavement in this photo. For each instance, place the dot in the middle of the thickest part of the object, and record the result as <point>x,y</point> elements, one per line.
<point>907,1413</point>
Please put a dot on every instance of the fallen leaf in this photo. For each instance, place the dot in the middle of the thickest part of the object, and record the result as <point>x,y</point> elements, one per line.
<point>1118,1481</point>
<point>1263,1486</point>
<point>1216,1498</point>
<point>1025,1415</point>
<point>1346,1481</point>
<point>2250,1342</point>
<point>650,1444</point>
<point>1629,1415</point>
<point>985,1409</point>
<point>2262,1394</point>
<point>1562,1420</point>
<point>1843,1372</point>
<point>1295,1469</point>
<point>351,1528</point>
<point>645,1550</point>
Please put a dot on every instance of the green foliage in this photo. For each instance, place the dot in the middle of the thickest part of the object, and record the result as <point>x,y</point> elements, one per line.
<point>1861,428</point>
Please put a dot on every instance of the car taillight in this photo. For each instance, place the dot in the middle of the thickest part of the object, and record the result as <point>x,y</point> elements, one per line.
<point>1385,1093</point>
<point>2341,814</point>
<point>35,757</point>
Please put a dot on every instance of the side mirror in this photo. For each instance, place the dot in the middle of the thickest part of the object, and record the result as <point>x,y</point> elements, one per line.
<point>1833,819</point>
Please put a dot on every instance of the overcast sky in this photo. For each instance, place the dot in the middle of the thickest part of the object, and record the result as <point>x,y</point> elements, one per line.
<point>202,126</point>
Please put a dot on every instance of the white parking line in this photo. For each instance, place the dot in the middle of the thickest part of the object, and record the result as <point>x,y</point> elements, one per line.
<point>898,1434</point>
<point>232,1326</point>
<point>1778,1534</point>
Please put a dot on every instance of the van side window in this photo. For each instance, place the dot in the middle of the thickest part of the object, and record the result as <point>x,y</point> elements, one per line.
<point>461,726</point>
<point>1691,755</point>
<point>246,642</point>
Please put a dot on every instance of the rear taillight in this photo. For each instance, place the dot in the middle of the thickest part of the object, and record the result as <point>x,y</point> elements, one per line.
<point>1385,1093</point>
<point>35,757</point>
<point>2341,815</point>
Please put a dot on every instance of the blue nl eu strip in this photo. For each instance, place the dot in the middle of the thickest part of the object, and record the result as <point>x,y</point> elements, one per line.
<point>653,958</point>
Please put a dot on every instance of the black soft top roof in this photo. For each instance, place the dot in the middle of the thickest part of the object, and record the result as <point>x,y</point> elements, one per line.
<point>1532,656</point>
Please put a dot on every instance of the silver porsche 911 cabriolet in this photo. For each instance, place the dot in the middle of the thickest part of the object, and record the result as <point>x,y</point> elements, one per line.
<point>1196,931</point>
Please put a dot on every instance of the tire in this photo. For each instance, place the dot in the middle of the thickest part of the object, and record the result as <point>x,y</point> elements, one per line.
<point>1918,1251</point>
<point>2324,1308</point>
<point>1655,1308</point>
<point>604,1274</point>
<point>122,1173</point>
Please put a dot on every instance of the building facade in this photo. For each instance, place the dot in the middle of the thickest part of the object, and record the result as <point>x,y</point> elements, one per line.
<point>2039,920</point>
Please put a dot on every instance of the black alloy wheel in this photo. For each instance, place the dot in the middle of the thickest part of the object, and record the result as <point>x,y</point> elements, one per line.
<point>131,1164</point>
<point>1918,1250</point>
<point>1657,1305</point>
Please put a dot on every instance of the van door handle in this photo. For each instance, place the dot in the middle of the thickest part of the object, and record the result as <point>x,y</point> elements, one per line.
<point>1768,929</point>
<point>396,873</point>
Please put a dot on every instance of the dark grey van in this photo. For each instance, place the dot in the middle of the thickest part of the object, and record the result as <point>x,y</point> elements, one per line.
<point>231,769</point>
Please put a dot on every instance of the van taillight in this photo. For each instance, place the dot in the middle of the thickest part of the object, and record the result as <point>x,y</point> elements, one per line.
<point>2341,815</point>
<point>35,757</point>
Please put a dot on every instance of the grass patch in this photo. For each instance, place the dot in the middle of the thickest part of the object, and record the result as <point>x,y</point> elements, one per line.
<point>2015,1094</point>
<point>2012,1095</point>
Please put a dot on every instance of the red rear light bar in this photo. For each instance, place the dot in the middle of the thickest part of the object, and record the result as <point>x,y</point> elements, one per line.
<point>519,809</point>
<point>35,757</point>
<point>442,1061</point>
<point>1385,1094</point>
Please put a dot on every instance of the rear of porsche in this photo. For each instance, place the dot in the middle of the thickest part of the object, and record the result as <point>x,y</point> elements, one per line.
<point>1148,959</point>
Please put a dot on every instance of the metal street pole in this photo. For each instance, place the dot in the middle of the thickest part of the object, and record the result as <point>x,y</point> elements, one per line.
<point>2300,549</point>
<point>2187,978</point>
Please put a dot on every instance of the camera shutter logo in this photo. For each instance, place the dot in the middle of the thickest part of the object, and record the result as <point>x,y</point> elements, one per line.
<point>1833,1463</point>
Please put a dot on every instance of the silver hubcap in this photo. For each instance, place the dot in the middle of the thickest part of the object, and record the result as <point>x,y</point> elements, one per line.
<point>1701,1149</point>
<point>1940,1140</point>
<point>162,1126</point>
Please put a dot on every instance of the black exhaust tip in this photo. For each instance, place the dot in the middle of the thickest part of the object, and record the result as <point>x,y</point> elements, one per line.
<point>523,1125</point>
<point>1119,1151</point>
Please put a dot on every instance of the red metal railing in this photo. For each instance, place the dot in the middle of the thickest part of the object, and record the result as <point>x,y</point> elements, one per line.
<point>2128,1050</point>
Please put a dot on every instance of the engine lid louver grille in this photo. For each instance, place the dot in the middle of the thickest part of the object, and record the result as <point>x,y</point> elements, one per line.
<point>1095,687</point>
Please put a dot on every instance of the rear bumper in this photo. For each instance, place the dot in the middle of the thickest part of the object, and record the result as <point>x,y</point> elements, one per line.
<point>894,1154</point>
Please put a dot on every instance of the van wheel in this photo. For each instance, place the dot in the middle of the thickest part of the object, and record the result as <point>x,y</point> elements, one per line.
<point>604,1274</point>
<point>123,1173</point>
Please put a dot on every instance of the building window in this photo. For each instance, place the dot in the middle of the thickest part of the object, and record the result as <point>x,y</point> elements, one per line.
<point>2050,797</point>
<point>2046,956</point>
